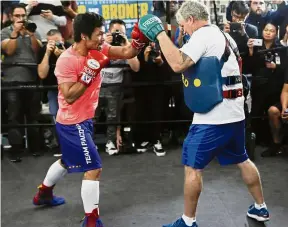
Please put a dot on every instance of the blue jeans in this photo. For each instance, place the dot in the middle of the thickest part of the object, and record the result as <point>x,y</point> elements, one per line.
<point>53,102</point>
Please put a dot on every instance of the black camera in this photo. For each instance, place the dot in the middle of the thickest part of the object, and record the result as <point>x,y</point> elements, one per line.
<point>59,45</point>
<point>269,57</point>
<point>29,25</point>
<point>235,26</point>
<point>65,3</point>
<point>154,53</point>
<point>118,38</point>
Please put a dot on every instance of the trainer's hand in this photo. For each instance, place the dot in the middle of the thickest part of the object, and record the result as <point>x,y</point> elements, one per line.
<point>151,26</point>
<point>94,63</point>
<point>139,40</point>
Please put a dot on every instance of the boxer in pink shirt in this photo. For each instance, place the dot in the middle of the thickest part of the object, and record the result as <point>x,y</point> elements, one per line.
<point>77,71</point>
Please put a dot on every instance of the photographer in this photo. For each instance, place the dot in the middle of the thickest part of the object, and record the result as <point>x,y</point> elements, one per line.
<point>47,58</point>
<point>21,45</point>
<point>268,72</point>
<point>278,114</point>
<point>116,36</point>
<point>70,8</point>
<point>46,15</point>
<point>151,103</point>
<point>239,30</point>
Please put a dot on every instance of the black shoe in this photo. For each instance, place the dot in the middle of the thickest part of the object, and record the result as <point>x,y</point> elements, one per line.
<point>15,159</point>
<point>271,151</point>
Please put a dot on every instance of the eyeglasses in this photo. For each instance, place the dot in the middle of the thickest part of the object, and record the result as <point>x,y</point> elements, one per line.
<point>19,15</point>
<point>238,17</point>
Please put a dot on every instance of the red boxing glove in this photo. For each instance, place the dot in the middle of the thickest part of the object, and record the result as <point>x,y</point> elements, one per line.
<point>94,63</point>
<point>139,39</point>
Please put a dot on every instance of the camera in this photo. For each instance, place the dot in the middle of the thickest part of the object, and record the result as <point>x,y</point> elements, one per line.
<point>269,57</point>
<point>235,26</point>
<point>65,3</point>
<point>154,53</point>
<point>59,45</point>
<point>118,38</point>
<point>29,25</point>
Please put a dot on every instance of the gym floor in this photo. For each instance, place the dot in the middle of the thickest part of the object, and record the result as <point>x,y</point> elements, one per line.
<point>144,191</point>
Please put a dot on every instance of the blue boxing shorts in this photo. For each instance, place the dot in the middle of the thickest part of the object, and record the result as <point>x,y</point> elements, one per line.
<point>79,153</point>
<point>226,142</point>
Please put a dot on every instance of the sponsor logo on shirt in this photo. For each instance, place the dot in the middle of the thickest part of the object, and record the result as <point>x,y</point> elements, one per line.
<point>93,64</point>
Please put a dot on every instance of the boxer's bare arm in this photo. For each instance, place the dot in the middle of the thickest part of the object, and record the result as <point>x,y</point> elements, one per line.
<point>72,91</point>
<point>122,52</point>
<point>178,61</point>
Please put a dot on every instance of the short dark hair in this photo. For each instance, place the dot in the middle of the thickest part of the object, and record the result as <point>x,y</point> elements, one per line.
<point>86,23</point>
<point>17,6</point>
<point>240,7</point>
<point>53,32</point>
<point>116,21</point>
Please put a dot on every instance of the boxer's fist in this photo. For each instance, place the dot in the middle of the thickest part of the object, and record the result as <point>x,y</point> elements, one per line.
<point>151,26</point>
<point>94,63</point>
<point>139,39</point>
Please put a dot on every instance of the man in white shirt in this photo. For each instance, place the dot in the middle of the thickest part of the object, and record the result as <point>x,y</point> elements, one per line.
<point>213,90</point>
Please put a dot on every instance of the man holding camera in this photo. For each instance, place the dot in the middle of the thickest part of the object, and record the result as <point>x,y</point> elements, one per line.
<point>47,58</point>
<point>20,45</point>
<point>239,30</point>
<point>46,15</point>
<point>116,36</point>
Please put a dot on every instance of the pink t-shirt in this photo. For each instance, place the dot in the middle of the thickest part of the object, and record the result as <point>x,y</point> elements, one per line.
<point>68,68</point>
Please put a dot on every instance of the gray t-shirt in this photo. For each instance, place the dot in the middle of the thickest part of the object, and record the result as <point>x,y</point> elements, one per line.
<point>113,74</point>
<point>23,54</point>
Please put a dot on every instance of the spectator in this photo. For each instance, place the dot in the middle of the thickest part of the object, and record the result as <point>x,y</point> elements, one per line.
<point>47,58</point>
<point>268,69</point>
<point>239,30</point>
<point>114,75</point>
<point>284,41</point>
<point>180,37</point>
<point>174,6</point>
<point>277,116</point>
<point>150,105</point>
<point>280,17</point>
<point>21,45</point>
<point>46,14</point>
<point>70,9</point>
<point>258,16</point>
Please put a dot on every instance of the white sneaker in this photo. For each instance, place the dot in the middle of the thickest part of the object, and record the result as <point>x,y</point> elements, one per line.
<point>158,150</point>
<point>110,148</point>
<point>143,147</point>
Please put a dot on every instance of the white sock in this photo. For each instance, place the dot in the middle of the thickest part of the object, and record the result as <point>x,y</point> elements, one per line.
<point>259,206</point>
<point>188,221</point>
<point>90,195</point>
<point>54,174</point>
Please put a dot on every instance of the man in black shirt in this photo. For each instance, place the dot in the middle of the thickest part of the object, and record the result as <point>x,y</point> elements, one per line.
<point>278,114</point>
<point>48,56</point>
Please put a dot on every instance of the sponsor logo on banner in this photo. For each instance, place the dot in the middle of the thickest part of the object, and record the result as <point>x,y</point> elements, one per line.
<point>127,10</point>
